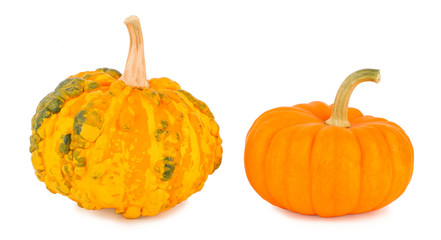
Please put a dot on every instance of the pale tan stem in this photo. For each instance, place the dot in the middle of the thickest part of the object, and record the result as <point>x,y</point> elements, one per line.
<point>339,115</point>
<point>134,74</point>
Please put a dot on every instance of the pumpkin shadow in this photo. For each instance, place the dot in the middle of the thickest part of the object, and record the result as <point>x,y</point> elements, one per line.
<point>346,218</point>
<point>109,214</point>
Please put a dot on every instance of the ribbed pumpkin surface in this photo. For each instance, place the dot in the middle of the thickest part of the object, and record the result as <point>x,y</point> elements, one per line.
<point>295,161</point>
<point>317,159</point>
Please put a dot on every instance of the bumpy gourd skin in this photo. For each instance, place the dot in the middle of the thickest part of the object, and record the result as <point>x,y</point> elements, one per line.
<point>107,145</point>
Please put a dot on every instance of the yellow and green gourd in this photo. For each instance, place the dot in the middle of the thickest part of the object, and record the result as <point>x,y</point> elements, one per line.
<point>107,140</point>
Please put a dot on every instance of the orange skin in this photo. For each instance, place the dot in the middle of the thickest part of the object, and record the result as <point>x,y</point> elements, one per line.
<point>295,161</point>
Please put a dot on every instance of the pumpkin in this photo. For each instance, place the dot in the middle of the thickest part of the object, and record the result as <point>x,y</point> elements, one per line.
<point>107,140</point>
<point>317,159</point>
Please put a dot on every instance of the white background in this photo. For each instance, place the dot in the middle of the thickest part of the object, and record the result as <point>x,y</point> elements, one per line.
<point>242,58</point>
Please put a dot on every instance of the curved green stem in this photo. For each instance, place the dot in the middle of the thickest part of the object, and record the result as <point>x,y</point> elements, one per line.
<point>339,115</point>
<point>134,74</point>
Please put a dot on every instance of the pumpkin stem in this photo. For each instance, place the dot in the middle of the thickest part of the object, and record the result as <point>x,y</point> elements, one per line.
<point>339,115</point>
<point>134,74</point>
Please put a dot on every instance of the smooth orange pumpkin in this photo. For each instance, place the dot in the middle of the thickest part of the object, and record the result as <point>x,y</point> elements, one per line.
<point>317,159</point>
